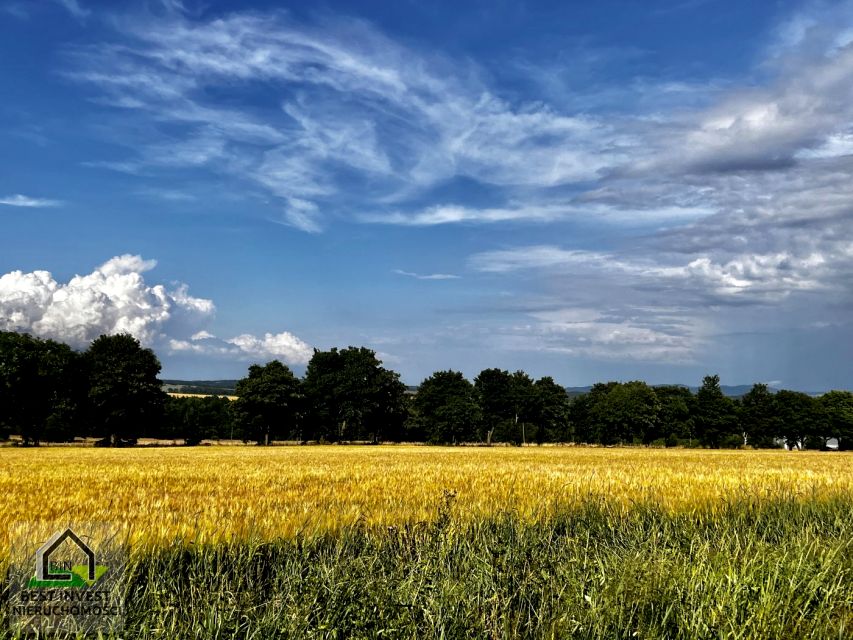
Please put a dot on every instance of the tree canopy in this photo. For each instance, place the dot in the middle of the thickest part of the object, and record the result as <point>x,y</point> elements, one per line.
<point>49,392</point>
<point>351,396</point>
<point>124,392</point>
<point>269,403</point>
<point>40,388</point>
<point>446,408</point>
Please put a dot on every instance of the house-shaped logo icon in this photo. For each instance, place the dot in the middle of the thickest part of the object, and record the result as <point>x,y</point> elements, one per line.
<point>45,572</point>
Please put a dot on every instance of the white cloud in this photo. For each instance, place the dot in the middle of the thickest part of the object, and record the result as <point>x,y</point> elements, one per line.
<point>19,200</point>
<point>582,208</point>
<point>833,146</point>
<point>74,8</point>
<point>430,276</point>
<point>283,345</point>
<point>115,298</point>
<point>803,103</point>
<point>750,174</point>
<point>531,257</point>
<point>451,214</point>
<point>758,277</point>
<point>17,10</point>
<point>592,333</point>
<point>303,215</point>
<point>353,104</point>
<point>356,122</point>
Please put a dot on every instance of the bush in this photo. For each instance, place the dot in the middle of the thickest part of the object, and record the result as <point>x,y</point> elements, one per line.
<point>731,441</point>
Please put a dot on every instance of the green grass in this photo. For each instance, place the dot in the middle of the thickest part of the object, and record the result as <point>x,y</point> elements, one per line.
<point>758,569</point>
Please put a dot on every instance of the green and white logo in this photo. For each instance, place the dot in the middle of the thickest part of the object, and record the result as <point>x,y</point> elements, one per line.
<point>63,573</point>
<point>69,582</point>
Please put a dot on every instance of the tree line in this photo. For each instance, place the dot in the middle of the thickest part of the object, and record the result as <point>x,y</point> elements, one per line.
<point>111,391</point>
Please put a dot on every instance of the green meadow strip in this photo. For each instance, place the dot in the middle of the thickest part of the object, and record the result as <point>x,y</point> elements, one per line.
<point>755,569</point>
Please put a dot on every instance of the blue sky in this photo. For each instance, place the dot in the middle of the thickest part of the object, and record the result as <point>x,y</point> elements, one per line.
<point>592,191</point>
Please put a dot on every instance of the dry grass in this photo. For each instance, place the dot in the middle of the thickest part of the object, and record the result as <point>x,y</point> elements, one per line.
<point>226,493</point>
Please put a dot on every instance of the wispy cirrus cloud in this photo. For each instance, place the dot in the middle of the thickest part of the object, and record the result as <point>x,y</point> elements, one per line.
<point>428,276</point>
<point>583,208</point>
<point>354,118</point>
<point>730,194</point>
<point>74,8</point>
<point>19,200</point>
<point>16,9</point>
<point>350,112</point>
<point>642,334</point>
<point>757,278</point>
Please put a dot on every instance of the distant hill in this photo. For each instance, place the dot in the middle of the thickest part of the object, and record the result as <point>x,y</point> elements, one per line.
<point>220,387</point>
<point>229,388</point>
<point>202,387</point>
<point>732,391</point>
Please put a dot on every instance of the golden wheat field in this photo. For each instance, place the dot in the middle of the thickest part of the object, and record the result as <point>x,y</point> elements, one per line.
<point>207,494</point>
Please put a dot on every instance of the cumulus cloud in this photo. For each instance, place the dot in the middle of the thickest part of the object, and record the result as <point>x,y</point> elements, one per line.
<point>19,200</point>
<point>284,345</point>
<point>115,298</point>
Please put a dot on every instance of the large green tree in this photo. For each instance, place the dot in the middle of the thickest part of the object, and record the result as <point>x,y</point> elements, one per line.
<point>524,402</point>
<point>675,419</point>
<point>269,403</point>
<point>552,412</point>
<point>716,417</point>
<point>493,391</point>
<point>509,405</point>
<point>626,412</point>
<point>351,396</point>
<point>446,408</point>
<point>41,388</point>
<point>758,416</point>
<point>584,416</point>
<point>125,396</point>
<point>838,409</point>
<point>798,419</point>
